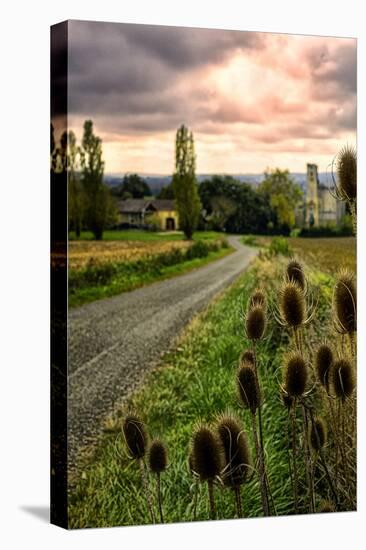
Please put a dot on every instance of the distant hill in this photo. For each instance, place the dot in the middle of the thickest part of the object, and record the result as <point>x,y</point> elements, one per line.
<point>156,182</point>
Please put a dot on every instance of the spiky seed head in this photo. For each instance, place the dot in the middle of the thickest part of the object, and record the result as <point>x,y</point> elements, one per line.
<point>318,434</point>
<point>206,454</point>
<point>344,381</point>
<point>292,304</point>
<point>236,451</point>
<point>345,302</point>
<point>248,389</point>
<point>347,173</point>
<point>327,507</point>
<point>296,375</point>
<point>247,357</point>
<point>158,456</point>
<point>323,365</point>
<point>258,298</point>
<point>295,273</point>
<point>135,435</point>
<point>256,323</point>
<point>287,400</point>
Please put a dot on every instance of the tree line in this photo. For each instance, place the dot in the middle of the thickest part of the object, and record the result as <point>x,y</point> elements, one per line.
<point>219,203</point>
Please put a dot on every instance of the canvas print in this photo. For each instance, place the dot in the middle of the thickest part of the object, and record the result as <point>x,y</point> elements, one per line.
<point>203,270</point>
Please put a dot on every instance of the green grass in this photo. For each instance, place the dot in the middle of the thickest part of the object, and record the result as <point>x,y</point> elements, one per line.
<point>194,383</point>
<point>139,235</point>
<point>127,279</point>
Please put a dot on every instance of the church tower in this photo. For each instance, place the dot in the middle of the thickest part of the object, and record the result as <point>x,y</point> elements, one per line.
<point>312,202</point>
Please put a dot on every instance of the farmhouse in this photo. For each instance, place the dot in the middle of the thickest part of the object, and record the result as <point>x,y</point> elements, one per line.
<point>144,212</point>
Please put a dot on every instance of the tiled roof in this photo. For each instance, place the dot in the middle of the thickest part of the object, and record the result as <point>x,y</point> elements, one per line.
<point>134,206</point>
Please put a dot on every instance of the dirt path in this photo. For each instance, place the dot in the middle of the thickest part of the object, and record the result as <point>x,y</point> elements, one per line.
<point>113,342</point>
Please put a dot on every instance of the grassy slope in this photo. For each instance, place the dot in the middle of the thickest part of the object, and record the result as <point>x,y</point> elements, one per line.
<point>130,281</point>
<point>195,383</point>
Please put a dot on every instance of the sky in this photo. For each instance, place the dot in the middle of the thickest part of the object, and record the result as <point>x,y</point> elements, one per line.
<point>254,101</point>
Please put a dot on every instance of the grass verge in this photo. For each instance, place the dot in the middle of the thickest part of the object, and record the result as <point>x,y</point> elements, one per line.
<point>95,283</point>
<point>195,383</point>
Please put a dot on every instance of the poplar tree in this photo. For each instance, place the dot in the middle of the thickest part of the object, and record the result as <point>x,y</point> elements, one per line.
<point>184,182</point>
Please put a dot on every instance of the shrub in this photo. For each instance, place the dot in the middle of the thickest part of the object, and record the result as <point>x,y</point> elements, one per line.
<point>279,245</point>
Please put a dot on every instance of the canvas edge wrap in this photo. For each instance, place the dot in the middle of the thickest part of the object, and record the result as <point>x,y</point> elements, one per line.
<point>58,238</point>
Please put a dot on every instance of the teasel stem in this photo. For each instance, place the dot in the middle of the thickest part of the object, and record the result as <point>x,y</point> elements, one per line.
<point>195,499</point>
<point>260,466</point>
<point>211,499</point>
<point>294,453</point>
<point>266,481</point>
<point>146,489</point>
<point>307,457</point>
<point>343,437</point>
<point>159,497</point>
<point>336,437</point>
<point>330,482</point>
<point>239,509</point>
<point>288,449</point>
<point>352,343</point>
<point>352,207</point>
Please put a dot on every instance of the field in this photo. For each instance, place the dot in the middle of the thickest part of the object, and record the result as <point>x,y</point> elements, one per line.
<point>323,253</point>
<point>146,236</point>
<point>194,384</point>
<point>130,259</point>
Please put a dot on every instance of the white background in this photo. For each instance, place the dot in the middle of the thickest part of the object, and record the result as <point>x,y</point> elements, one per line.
<point>24,273</point>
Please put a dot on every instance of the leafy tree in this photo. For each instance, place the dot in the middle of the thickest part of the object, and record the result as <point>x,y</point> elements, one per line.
<point>133,186</point>
<point>283,194</point>
<point>167,192</point>
<point>241,209</point>
<point>75,198</point>
<point>184,182</point>
<point>99,204</point>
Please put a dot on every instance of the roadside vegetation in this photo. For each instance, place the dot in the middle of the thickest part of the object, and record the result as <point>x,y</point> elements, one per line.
<point>98,270</point>
<point>196,383</point>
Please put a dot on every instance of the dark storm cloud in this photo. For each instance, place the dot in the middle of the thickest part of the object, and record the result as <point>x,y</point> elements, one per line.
<point>120,69</point>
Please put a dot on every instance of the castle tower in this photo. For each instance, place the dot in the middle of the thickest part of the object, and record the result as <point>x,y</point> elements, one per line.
<point>312,202</point>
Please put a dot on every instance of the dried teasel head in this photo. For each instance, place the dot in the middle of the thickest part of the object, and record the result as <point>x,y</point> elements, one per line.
<point>292,304</point>
<point>318,434</point>
<point>295,274</point>
<point>295,375</point>
<point>235,449</point>
<point>256,322</point>
<point>158,456</point>
<point>323,365</point>
<point>247,357</point>
<point>343,378</point>
<point>248,389</point>
<point>258,298</point>
<point>207,457</point>
<point>346,167</point>
<point>287,400</point>
<point>135,435</point>
<point>345,302</point>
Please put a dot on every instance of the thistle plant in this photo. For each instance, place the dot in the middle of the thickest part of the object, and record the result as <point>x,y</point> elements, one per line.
<point>345,164</point>
<point>318,440</point>
<point>295,380</point>
<point>207,461</point>
<point>250,397</point>
<point>137,441</point>
<point>345,306</point>
<point>237,458</point>
<point>158,461</point>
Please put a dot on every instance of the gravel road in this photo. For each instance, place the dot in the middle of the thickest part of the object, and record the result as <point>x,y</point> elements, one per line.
<point>113,342</point>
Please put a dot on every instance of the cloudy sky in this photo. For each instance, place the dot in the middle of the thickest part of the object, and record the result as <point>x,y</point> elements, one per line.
<point>253,100</point>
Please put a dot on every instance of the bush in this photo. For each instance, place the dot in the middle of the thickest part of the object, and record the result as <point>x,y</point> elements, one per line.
<point>279,245</point>
<point>199,249</point>
<point>249,240</point>
<point>344,229</point>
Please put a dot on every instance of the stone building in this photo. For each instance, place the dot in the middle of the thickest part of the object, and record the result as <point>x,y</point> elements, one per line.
<point>140,213</point>
<point>320,207</point>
